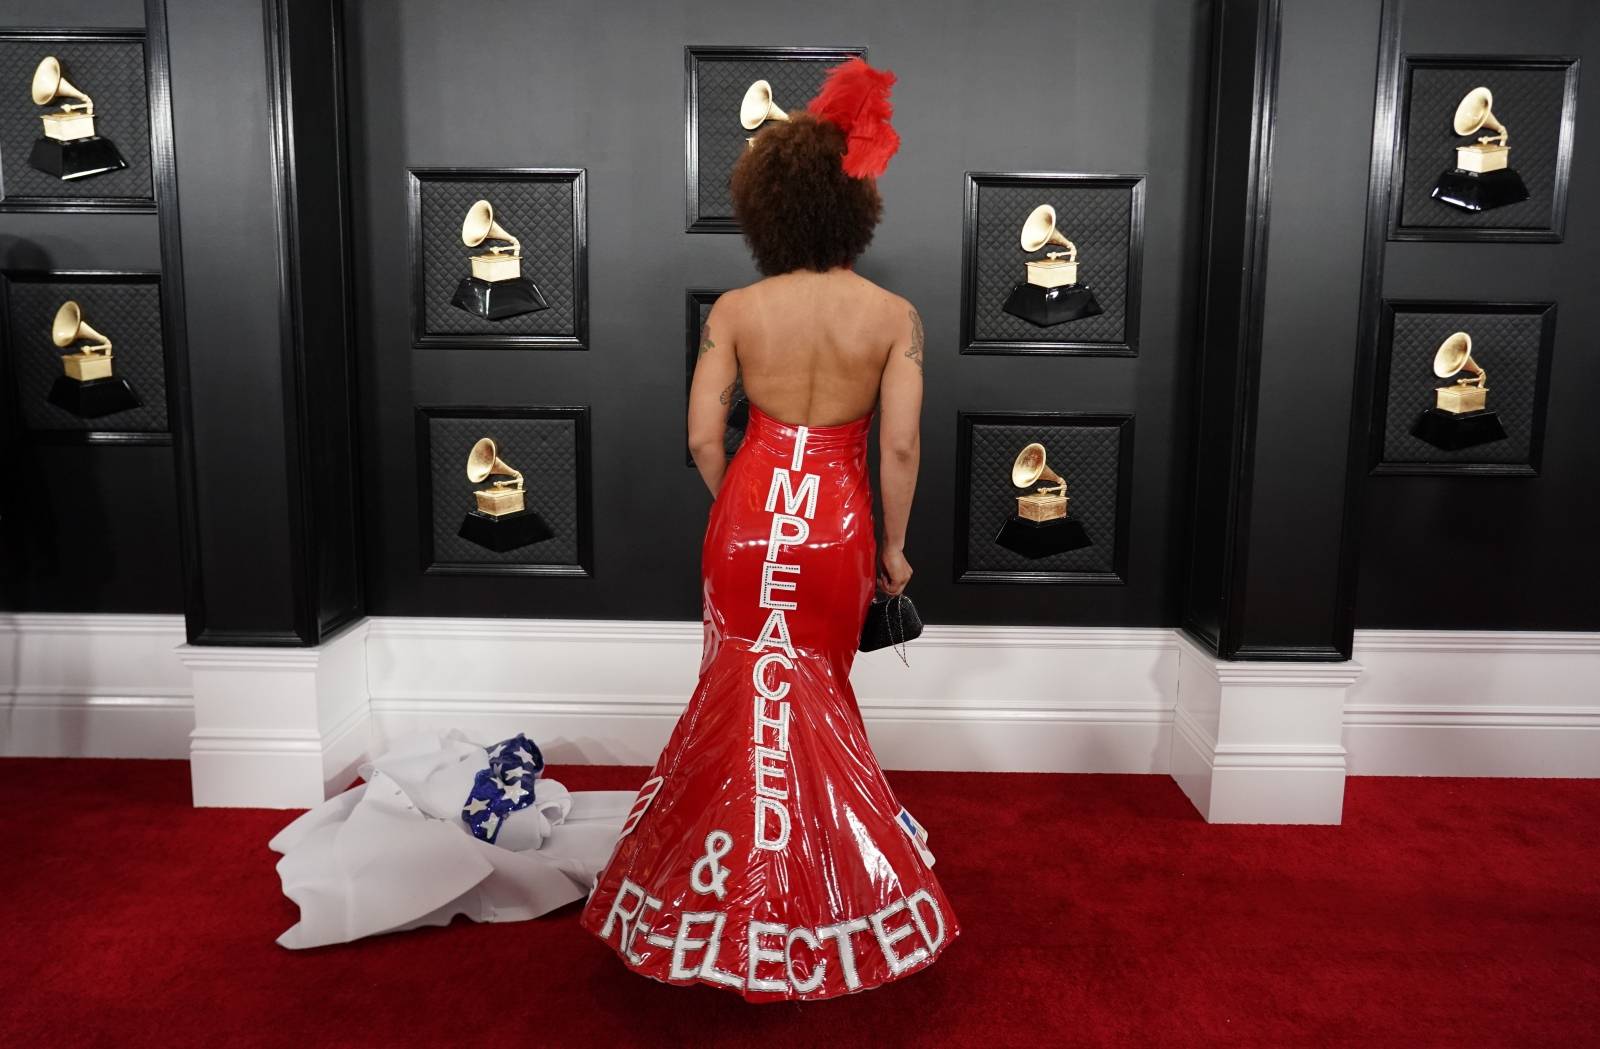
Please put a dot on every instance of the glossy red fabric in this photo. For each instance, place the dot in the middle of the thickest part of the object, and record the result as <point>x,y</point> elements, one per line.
<point>766,853</point>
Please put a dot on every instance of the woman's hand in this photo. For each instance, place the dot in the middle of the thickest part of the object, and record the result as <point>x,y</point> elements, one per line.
<point>894,572</point>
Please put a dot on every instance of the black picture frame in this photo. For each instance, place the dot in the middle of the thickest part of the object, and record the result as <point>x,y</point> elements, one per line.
<point>966,421</point>
<point>421,337</point>
<point>975,182</point>
<point>583,567</point>
<point>1378,420</point>
<point>89,202</point>
<point>8,373</point>
<point>694,55</point>
<point>1402,230</point>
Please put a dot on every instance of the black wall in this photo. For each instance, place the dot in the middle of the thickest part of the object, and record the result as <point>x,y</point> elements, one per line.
<point>984,87</point>
<point>1254,520</point>
<point>86,527</point>
<point>1511,553</point>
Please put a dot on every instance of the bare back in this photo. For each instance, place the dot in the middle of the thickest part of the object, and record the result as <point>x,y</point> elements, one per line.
<point>817,349</point>
<point>811,347</point>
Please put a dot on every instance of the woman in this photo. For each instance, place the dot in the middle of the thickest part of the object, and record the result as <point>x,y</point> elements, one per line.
<point>766,854</point>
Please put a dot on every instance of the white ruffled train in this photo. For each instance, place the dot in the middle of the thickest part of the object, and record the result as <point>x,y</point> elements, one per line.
<point>393,853</point>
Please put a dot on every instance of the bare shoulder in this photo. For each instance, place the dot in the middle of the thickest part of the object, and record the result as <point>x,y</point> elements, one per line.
<point>732,301</point>
<point>895,312</point>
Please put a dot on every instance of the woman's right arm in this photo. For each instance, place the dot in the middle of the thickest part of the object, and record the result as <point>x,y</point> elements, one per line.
<point>899,448</point>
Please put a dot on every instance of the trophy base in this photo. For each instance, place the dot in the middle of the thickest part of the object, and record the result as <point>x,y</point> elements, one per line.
<point>1045,307</point>
<point>1036,539</point>
<point>92,399</point>
<point>1452,432</point>
<point>506,532</point>
<point>75,158</point>
<point>1471,191</point>
<point>496,300</point>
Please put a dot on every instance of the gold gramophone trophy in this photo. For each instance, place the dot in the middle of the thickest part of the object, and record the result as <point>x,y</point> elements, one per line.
<point>500,521</point>
<point>1051,294</point>
<point>496,289</point>
<point>69,149</point>
<point>1041,526</point>
<point>88,389</point>
<point>1482,177</point>
<point>1460,416</point>
<point>758,108</point>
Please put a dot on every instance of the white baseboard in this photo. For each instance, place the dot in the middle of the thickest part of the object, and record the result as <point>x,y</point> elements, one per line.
<point>1475,703</point>
<point>278,727</point>
<point>1259,742</point>
<point>1047,699</point>
<point>99,686</point>
<point>1016,699</point>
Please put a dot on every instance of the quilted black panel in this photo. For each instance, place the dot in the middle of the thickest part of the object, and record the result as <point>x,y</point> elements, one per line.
<point>128,313</point>
<point>739,411</point>
<point>1505,345</point>
<point>545,450</point>
<point>112,73</point>
<point>1527,101</point>
<point>539,213</point>
<point>1098,219</point>
<point>1086,456</point>
<point>720,85</point>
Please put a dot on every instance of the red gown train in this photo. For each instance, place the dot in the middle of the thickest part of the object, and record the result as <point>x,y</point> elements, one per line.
<point>765,853</point>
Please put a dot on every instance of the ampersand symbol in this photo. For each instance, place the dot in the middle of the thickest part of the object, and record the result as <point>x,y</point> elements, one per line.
<point>707,875</point>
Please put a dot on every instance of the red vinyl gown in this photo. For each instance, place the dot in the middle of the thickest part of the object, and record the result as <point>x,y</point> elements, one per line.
<point>765,853</point>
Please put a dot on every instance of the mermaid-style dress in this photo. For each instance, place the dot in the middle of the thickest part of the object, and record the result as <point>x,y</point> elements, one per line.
<point>765,853</point>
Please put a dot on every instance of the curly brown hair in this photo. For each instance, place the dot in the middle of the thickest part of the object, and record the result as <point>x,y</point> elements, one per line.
<point>797,207</point>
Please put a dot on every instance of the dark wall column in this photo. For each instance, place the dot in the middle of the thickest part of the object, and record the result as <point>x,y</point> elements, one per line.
<point>1292,107</point>
<point>256,109</point>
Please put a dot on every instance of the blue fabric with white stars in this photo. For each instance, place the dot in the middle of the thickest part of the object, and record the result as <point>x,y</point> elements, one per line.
<point>506,786</point>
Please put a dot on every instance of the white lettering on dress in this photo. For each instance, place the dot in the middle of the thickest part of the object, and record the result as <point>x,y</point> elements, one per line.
<point>695,950</point>
<point>819,967</point>
<point>759,676</point>
<point>898,963</point>
<point>683,943</point>
<point>641,927</point>
<point>758,954</point>
<point>775,634</point>
<point>620,912</point>
<point>764,806</point>
<point>803,502</point>
<point>786,531</point>
<point>772,823</point>
<point>708,964</point>
<point>769,584</point>
<point>767,769</point>
<point>841,933</point>
<point>924,896</point>
<point>779,724</point>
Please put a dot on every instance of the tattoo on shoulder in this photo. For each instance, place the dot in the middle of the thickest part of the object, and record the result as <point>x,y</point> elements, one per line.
<point>915,352</point>
<point>705,339</point>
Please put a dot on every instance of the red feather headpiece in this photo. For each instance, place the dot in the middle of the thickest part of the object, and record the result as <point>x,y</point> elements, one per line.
<point>856,97</point>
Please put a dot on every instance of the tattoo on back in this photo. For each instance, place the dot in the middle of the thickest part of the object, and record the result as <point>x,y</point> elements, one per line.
<point>915,352</point>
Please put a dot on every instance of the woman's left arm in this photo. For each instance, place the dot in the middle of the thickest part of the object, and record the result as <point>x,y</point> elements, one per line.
<point>711,395</point>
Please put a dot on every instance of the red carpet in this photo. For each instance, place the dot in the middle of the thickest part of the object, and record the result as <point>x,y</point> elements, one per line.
<point>1096,910</point>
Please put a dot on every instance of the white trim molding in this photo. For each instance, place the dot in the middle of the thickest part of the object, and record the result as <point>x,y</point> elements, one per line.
<point>1475,703</point>
<point>278,727</point>
<point>997,699</point>
<point>1260,742</point>
<point>1264,742</point>
<point>101,686</point>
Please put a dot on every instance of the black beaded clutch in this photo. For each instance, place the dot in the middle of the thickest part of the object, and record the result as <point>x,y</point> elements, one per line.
<point>890,621</point>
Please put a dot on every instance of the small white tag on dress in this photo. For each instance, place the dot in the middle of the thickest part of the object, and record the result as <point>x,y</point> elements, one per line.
<point>917,833</point>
